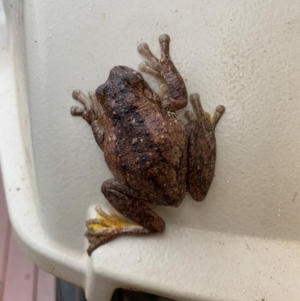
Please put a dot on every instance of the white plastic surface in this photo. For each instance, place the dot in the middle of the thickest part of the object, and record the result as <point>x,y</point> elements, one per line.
<point>243,241</point>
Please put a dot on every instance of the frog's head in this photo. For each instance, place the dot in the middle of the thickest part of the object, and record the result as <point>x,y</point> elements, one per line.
<point>121,75</point>
<point>121,81</point>
<point>124,89</point>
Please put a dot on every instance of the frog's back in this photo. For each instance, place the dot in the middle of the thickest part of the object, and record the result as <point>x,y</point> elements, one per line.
<point>145,147</point>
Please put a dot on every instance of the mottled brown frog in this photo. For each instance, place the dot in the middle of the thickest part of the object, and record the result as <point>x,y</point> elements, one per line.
<point>152,155</point>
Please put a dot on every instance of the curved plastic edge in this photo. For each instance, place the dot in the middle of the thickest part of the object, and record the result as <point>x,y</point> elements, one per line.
<point>19,179</point>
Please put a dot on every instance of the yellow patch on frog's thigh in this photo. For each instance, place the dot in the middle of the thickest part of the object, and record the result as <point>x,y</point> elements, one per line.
<point>111,222</point>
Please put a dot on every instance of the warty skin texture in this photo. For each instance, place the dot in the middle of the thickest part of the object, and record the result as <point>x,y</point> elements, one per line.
<point>153,157</point>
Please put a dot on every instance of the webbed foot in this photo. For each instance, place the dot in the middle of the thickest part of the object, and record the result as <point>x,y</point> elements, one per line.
<point>107,226</point>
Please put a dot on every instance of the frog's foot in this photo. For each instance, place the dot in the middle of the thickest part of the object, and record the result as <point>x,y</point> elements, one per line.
<point>220,109</point>
<point>164,70</point>
<point>91,110</point>
<point>164,41</point>
<point>108,226</point>
<point>204,119</point>
<point>153,66</point>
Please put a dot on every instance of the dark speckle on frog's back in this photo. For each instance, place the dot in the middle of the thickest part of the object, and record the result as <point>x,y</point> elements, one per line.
<point>143,143</point>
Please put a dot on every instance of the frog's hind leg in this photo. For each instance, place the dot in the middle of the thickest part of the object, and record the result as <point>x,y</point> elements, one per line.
<point>201,147</point>
<point>108,226</point>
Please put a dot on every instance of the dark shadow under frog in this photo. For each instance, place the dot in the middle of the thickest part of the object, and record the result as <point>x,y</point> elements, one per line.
<point>154,158</point>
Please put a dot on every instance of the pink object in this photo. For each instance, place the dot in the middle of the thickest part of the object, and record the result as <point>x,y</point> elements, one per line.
<point>45,288</point>
<point>20,276</point>
<point>4,236</point>
<point>20,280</point>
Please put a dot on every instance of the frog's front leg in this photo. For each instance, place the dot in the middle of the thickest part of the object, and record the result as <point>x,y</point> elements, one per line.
<point>91,112</point>
<point>165,71</point>
<point>201,147</point>
<point>108,226</point>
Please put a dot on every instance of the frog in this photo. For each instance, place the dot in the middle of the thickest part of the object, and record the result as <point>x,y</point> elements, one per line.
<point>153,156</point>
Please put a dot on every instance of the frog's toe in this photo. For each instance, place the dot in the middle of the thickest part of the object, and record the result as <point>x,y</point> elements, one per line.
<point>190,116</point>
<point>145,51</point>
<point>195,97</point>
<point>220,109</point>
<point>164,41</point>
<point>91,108</point>
<point>147,68</point>
<point>97,108</point>
<point>197,107</point>
<point>76,111</point>
<point>143,48</point>
<point>164,38</point>
<point>82,98</point>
